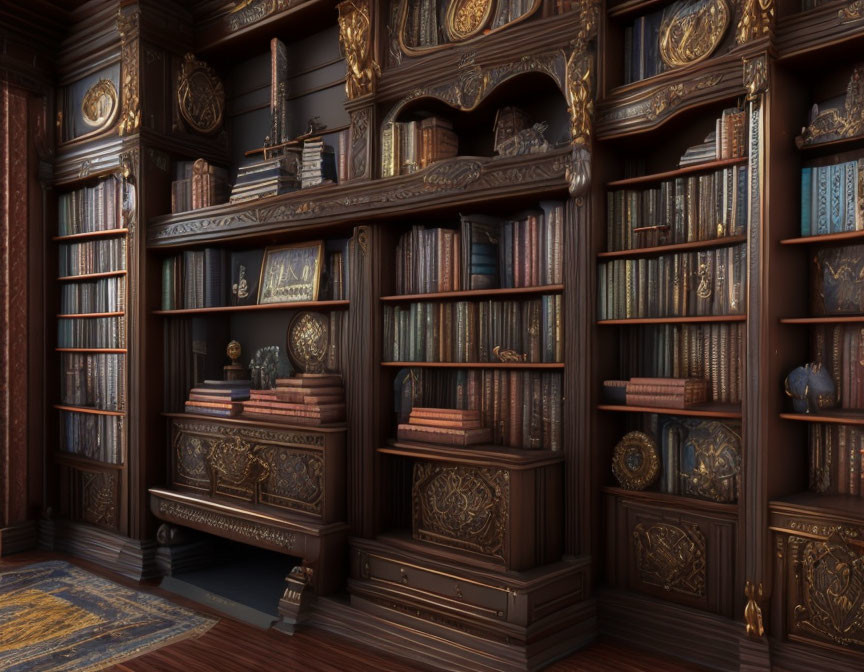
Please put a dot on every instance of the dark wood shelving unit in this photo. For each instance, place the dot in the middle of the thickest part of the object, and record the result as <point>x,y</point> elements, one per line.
<point>91,276</point>
<point>476,365</point>
<point>676,247</point>
<point>850,417</point>
<point>86,463</point>
<point>824,319</point>
<point>828,238</point>
<point>691,319</point>
<point>87,409</point>
<point>73,237</point>
<point>676,502</point>
<point>475,294</point>
<point>94,350</point>
<point>296,305</point>
<point>678,172</point>
<point>730,411</point>
<point>81,316</point>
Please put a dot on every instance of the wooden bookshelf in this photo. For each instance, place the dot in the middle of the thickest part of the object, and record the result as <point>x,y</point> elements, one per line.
<point>242,421</point>
<point>296,305</point>
<point>95,350</point>
<point>80,316</point>
<point>91,276</point>
<point>708,166</point>
<point>677,247</point>
<point>85,409</point>
<point>837,417</point>
<point>728,411</point>
<point>476,365</point>
<point>503,293</point>
<point>73,237</point>
<point>827,238</point>
<point>476,455</point>
<point>825,319</point>
<point>687,319</point>
<point>678,502</point>
<point>87,463</point>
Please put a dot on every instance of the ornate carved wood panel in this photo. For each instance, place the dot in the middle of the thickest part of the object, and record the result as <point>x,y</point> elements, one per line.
<point>283,468</point>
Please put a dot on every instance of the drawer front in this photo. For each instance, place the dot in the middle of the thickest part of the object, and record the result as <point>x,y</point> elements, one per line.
<point>444,590</point>
<point>283,469</point>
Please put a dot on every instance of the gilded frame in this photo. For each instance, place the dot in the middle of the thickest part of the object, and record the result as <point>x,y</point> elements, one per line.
<point>265,292</point>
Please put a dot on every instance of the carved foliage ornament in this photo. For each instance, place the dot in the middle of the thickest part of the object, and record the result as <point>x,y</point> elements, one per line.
<point>99,105</point>
<point>854,11</point>
<point>200,96</point>
<point>355,37</point>
<point>465,507</point>
<point>248,12</point>
<point>308,341</point>
<point>832,592</point>
<point>671,557</point>
<point>752,611</point>
<point>691,32</point>
<point>755,76</point>
<point>466,18</point>
<point>837,123</point>
<point>757,20</point>
<point>127,26</point>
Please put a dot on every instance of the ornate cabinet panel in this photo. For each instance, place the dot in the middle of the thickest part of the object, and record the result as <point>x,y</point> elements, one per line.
<point>92,495</point>
<point>298,470</point>
<point>819,567</point>
<point>684,557</point>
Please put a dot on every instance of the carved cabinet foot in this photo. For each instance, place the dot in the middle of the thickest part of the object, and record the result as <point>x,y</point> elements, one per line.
<point>295,599</point>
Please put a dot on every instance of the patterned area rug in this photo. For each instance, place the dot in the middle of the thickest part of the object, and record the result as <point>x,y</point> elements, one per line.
<point>55,617</point>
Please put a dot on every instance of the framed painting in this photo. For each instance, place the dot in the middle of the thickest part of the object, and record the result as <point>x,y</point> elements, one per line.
<point>291,273</point>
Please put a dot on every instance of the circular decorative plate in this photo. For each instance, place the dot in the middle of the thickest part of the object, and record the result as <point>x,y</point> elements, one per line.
<point>636,463</point>
<point>99,105</point>
<point>308,342</point>
<point>200,96</point>
<point>691,31</point>
<point>466,18</point>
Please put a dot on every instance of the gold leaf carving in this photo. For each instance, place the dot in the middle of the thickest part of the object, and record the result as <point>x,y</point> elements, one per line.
<point>757,20</point>
<point>854,11</point>
<point>130,118</point>
<point>752,611</point>
<point>200,96</point>
<point>836,124</point>
<point>671,557</point>
<point>755,76</point>
<point>355,36</point>
<point>466,18</point>
<point>692,32</point>
<point>99,105</point>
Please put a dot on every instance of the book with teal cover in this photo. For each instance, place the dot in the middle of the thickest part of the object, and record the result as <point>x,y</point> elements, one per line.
<point>806,201</point>
<point>836,198</point>
<point>850,180</point>
<point>822,219</point>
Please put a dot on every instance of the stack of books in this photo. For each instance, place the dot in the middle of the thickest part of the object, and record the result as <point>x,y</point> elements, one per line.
<point>267,177</point>
<point>222,398</point>
<point>198,184</point>
<point>305,399</point>
<point>667,392</point>
<point>446,426</point>
<point>319,163</point>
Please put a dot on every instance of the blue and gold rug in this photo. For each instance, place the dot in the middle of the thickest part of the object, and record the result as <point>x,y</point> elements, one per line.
<point>55,617</point>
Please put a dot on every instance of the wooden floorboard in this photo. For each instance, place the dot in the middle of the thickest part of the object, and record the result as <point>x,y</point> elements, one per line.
<point>231,646</point>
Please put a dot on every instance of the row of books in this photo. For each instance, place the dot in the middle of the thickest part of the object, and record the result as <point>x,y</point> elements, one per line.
<point>105,295</point>
<point>714,352</point>
<point>485,253</point>
<point>99,332</point>
<point>522,408</point>
<point>93,380</point>
<point>708,282</point>
<point>98,437</point>
<point>835,459</point>
<point>832,198</point>
<point>696,207</point>
<point>92,256</point>
<point>96,208</point>
<point>642,48</point>
<point>841,350</point>
<point>728,140</point>
<point>318,163</point>
<point>198,184</point>
<point>475,331</point>
<point>409,146</point>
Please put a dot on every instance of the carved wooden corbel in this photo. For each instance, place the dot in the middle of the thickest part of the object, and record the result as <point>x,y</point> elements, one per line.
<point>130,117</point>
<point>757,20</point>
<point>580,99</point>
<point>752,611</point>
<point>355,37</point>
<point>756,76</point>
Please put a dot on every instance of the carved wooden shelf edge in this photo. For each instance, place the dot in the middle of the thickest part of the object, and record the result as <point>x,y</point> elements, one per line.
<point>464,180</point>
<point>829,24</point>
<point>678,502</point>
<point>512,458</point>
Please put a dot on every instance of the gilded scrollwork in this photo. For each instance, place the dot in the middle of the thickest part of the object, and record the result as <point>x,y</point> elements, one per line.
<point>99,105</point>
<point>752,611</point>
<point>838,123</point>
<point>671,556</point>
<point>355,36</point>
<point>200,96</point>
<point>248,12</point>
<point>691,32</point>
<point>461,506</point>
<point>236,466</point>
<point>852,12</point>
<point>831,603</point>
<point>757,20</point>
<point>130,116</point>
<point>296,479</point>
<point>756,76</point>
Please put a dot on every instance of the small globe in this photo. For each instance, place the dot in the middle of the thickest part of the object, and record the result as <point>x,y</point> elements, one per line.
<point>233,351</point>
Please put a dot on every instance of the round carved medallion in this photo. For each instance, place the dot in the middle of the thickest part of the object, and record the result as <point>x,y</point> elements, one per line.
<point>691,31</point>
<point>99,105</point>
<point>466,18</point>
<point>636,463</point>
<point>309,341</point>
<point>200,96</point>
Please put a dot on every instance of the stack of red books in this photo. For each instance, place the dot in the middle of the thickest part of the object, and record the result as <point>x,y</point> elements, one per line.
<point>447,426</point>
<point>222,398</point>
<point>667,392</point>
<point>306,399</point>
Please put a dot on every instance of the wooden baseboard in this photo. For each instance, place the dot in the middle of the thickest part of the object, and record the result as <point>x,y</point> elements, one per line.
<point>690,634</point>
<point>133,558</point>
<point>18,538</point>
<point>792,657</point>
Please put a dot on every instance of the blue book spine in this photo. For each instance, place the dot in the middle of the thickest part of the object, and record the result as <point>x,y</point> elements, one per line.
<point>823,218</point>
<point>836,198</point>
<point>850,178</point>
<point>806,177</point>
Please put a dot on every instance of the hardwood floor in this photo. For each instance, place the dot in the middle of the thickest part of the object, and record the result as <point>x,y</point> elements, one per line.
<point>231,646</point>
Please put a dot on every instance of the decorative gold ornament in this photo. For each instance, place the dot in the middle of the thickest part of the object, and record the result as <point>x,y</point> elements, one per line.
<point>853,12</point>
<point>200,96</point>
<point>127,26</point>
<point>755,76</point>
<point>691,32</point>
<point>99,106</point>
<point>832,586</point>
<point>712,455</point>
<point>508,355</point>
<point>233,351</point>
<point>838,123</point>
<point>355,37</point>
<point>753,612</point>
<point>757,20</point>
<point>636,463</point>
<point>308,341</point>
<point>671,557</point>
<point>466,18</point>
